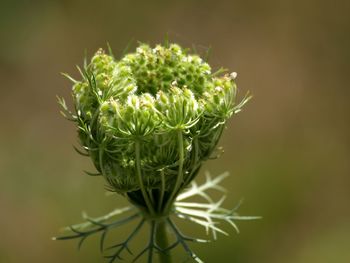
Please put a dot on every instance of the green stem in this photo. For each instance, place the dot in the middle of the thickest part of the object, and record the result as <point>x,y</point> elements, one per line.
<point>139,177</point>
<point>196,161</point>
<point>179,178</point>
<point>162,191</point>
<point>162,241</point>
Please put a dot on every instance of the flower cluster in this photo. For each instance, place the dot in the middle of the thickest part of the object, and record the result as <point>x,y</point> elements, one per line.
<point>154,110</point>
<point>149,121</point>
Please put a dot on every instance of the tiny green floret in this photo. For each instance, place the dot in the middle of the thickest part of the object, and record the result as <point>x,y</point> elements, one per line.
<point>149,121</point>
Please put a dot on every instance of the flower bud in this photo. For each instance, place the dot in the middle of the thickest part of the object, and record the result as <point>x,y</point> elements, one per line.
<point>158,110</point>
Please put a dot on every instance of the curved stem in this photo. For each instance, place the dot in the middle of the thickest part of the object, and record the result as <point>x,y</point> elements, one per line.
<point>162,241</point>
<point>139,177</point>
<point>162,191</point>
<point>100,159</point>
<point>179,178</point>
<point>196,162</point>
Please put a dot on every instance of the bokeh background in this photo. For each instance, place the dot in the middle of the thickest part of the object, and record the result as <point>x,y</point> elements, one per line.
<point>288,151</point>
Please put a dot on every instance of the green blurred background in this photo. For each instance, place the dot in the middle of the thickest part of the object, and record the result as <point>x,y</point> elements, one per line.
<point>288,151</point>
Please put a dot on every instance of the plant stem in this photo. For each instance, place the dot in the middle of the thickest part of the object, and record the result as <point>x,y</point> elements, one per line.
<point>162,191</point>
<point>179,178</point>
<point>162,241</point>
<point>140,179</point>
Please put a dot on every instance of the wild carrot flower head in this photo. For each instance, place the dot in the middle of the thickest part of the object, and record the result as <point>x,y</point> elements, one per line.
<point>151,98</point>
<point>149,121</point>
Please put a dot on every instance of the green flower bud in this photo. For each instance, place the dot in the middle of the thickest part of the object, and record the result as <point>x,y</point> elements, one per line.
<point>149,121</point>
<point>152,118</point>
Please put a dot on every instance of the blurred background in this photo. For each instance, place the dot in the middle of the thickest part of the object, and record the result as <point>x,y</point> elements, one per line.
<point>287,152</point>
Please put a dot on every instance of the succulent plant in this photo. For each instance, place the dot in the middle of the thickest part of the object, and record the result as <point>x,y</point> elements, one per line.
<point>149,121</point>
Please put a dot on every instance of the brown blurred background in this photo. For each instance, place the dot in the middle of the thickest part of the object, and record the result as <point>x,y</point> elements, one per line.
<point>288,151</point>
